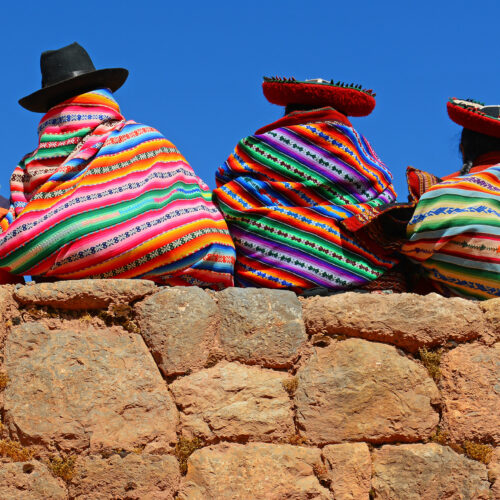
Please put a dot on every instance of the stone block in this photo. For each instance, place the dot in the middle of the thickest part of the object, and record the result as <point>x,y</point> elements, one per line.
<point>84,294</point>
<point>260,326</point>
<point>29,480</point>
<point>494,473</point>
<point>85,391</point>
<point>179,325</point>
<point>232,401</point>
<point>349,467</point>
<point>491,309</point>
<point>406,320</point>
<point>134,477</point>
<point>255,471</point>
<point>427,471</point>
<point>470,386</point>
<point>357,390</point>
<point>8,311</point>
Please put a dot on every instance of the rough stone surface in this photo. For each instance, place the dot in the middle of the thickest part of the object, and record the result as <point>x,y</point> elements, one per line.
<point>427,472</point>
<point>349,467</point>
<point>74,382</point>
<point>8,311</point>
<point>494,473</point>
<point>470,386</point>
<point>134,477</point>
<point>403,319</point>
<point>178,325</point>
<point>254,471</point>
<point>232,401</point>
<point>85,390</point>
<point>29,480</point>
<point>84,294</point>
<point>260,326</point>
<point>357,390</point>
<point>491,309</point>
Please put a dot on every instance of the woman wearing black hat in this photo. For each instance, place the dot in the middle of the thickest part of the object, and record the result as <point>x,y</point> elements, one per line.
<point>102,197</point>
<point>455,230</point>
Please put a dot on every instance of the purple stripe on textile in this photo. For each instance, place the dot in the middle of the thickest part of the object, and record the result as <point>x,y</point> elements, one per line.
<point>375,167</point>
<point>327,173</point>
<point>299,271</point>
<point>317,167</point>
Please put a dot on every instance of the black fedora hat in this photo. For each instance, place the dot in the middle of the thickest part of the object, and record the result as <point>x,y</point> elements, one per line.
<point>67,72</point>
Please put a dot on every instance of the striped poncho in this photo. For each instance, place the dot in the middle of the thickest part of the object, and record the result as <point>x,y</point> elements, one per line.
<point>455,234</point>
<point>102,197</point>
<point>293,196</point>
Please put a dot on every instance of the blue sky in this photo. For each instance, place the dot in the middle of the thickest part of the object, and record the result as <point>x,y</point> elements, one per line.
<point>196,68</point>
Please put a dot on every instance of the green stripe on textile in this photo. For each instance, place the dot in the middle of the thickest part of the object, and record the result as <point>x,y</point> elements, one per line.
<point>460,270</point>
<point>463,221</point>
<point>51,152</point>
<point>455,200</point>
<point>42,154</point>
<point>287,239</point>
<point>65,136</point>
<point>80,224</point>
<point>466,273</point>
<point>319,180</point>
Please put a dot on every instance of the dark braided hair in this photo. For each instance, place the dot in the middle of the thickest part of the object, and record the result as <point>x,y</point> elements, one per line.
<point>290,108</point>
<point>473,144</point>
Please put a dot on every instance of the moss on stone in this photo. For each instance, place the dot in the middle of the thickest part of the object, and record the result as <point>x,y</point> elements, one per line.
<point>14,451</point>
<point>184,449</point>
<point>63,467</point>
<point>290,385</point>
<point>431,360</point>
<point>477,451</point>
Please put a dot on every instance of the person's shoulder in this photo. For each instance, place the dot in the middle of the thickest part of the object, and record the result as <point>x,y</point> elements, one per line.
<point>145,132</point>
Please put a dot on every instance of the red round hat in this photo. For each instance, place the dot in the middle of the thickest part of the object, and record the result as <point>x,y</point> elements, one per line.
<point>475,116</point>
<point>349,99</point>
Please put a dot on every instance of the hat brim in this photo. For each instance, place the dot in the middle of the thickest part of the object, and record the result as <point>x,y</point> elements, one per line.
<point>348,100</point>
<point>42,100</point>
<point>468,114</point>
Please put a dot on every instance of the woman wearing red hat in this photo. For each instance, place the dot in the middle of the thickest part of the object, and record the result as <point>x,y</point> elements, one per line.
<point>455,230</point>
<point>299,194</point>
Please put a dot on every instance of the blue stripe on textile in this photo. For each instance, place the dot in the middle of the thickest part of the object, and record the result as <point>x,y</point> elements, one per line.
<point>467,263</point>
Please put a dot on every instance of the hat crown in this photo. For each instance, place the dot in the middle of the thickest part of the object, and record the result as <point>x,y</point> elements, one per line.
<point>64,63</point>
<point>493,111</point>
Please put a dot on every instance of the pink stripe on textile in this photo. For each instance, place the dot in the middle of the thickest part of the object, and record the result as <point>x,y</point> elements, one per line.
<point>92,240</point>
<point>115,182</point>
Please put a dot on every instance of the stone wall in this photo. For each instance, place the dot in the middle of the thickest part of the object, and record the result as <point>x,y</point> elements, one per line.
<point>122,389</point>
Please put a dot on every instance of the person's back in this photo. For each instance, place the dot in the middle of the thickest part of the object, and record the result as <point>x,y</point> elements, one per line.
<point>103,197</point>
<point>295,193</point>
<point>455,230</point>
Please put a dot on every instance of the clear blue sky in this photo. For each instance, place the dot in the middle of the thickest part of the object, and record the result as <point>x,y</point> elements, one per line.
<point>196,68</point>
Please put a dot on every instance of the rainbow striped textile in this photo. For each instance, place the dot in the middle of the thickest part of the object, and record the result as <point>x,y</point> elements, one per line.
<point>455,235</point>
<point>293,196</point>
<point>102,197</point>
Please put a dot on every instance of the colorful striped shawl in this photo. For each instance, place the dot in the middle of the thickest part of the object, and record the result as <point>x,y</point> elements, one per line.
<point>102,197</point>
<point>455,235</point>
<point>287,195</point>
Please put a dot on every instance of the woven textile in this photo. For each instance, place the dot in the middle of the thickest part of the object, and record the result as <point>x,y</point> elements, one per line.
<point>102,197</point>
<point>288,195</point>
<point>455,235</point>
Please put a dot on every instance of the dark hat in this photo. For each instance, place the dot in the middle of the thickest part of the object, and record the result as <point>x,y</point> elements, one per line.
<point>475,116</point>
<point>67,72</point>
<point>349,99</point>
